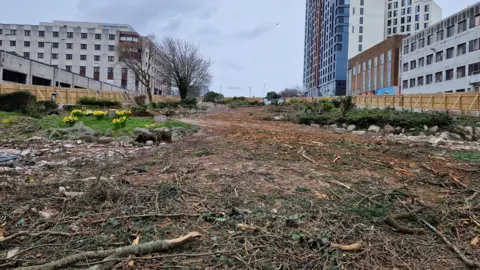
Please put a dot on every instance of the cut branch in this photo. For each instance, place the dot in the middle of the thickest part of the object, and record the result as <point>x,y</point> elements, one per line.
<point>139,250</point>
<point>392,221</point>
<point>22,233</point>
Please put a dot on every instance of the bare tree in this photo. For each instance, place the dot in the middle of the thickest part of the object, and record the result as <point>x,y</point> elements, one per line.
<point>181,61</point>
<point>142,59</point>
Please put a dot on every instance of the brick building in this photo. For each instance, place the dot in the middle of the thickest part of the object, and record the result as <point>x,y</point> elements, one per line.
<point>376,70</point>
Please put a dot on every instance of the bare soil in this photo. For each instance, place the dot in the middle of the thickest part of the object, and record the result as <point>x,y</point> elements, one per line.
<point>296,187</point>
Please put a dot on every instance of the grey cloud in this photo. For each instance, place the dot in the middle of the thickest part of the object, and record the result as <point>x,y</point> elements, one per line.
<point>255,32</point>
<point>231,65</point>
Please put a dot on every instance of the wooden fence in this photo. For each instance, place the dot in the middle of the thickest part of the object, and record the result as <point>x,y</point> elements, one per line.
<point>72,95</point>
<point>461,102</point>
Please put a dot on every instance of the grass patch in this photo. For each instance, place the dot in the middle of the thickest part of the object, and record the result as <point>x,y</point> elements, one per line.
<point>473,157</point>
<point>51,121</point>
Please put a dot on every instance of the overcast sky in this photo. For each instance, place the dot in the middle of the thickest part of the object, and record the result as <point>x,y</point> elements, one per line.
<point>250,41</point>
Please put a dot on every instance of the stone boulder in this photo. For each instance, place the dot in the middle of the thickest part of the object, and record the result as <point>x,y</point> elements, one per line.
<point>359,132</point>
<point>105,140</point>
<point>315,126</point>
<point>87,138</point>
<point>351,128</point>
<point>160,119</point>
<point>388,129</point>
<point>163,134</point>
<point>143,134</point>
<point>178,133</point>
<point>125,140</point>
<point>339,130</point>
<point>433,129</point>
<point>464,130</point>
<point>374,129</point>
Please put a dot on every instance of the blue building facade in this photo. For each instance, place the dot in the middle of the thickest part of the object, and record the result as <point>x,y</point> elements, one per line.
<point>326,47</point>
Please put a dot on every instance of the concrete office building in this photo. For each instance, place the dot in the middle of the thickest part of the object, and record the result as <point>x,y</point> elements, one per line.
<point>326,47</point>
<point>445,57</point>
<point>87,49</point>
<point>375,71</point>
<point>410,16</point>
<point>366,25</point>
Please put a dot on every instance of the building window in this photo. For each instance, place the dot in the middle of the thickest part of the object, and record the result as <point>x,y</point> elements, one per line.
<point>70,46</point>
<point>111,58</point>
<point>360,29</point>
<point>427,8</point>
<point>425,25</point>
<point>110,73</point>
<point>13,43</point>
<point>408,28</point>
<point>96,58</point>
<point>98,47</point>
<point>27,33</point>
<point>461,72</point>
<point>405,49</point>
<point>41,44</point>
<point>429,59</point>
<point>111,37</point>
<point>450,31</point>
<point>41,33</point>
<point>417,9</point>
<point>417,26</point>
<point>68,68</point>
<point>389,55</point>
<point>83,70</point>
<point>474,45</point>
<point>429,79</point>
<point>84,35</point>
<point>438,77</point>
<point>405,67</point>
<point>360,38</point>
<point>1,31</point>
<point>69,34</point>
<point>98,36</point>
<point>429,40</point>
<point>54,55</point>
<point>55,34</point>
<point>439,57</point>
<point>449,74</point>
<point>83,46</point>
<point>26,54</point>
<point>420,81</point>
<point>111,48</point>
<point>413,46</point>
<point>96,73</point>
<point>450,52</point>
<point>421,62</point>
<point>462,26</point>
<point>55,45</point>
<point>462,49</point>
<point>361,20</point>
<point>475,21</point>
<point>83,57</point>
<point>13,32</point>
<point>69,56</point>
<point>412,82</point>
<point>389,31</point>
<point>440,35</point>
<point>405,84</point>
<point>26,44</point>
<point>474,68</point>
<point>413,64</point>
<point>40,55</point>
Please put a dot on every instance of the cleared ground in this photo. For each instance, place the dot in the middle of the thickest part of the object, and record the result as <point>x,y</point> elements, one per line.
<point>263,195</point>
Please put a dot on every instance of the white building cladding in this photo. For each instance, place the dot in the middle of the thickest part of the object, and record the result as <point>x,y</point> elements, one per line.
<point>444,57</point>
<point>410,16</point>
<point>87,49</point>
<point>366,25</point>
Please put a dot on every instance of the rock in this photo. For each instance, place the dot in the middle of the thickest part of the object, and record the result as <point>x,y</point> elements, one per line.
<point>105,140</point>
<point>79,125</point>
<point>469,138</point>
<point>125,140</point>
<point>79,141</point>
<point>433,129</point>
<point>457,137</point>
<point>339,130</point>
<point>88,138</point>
<point>325,241</point>
<point>160,119</point>
<point>13,252</point>
<point>374,129</point>
<point>163,134</point>
<point>274,211</point>
<point>425,128</point>
<point>115,143</point>
<point>445,135</point>
<point>48,213</point>
<point>333,126</point>
<point>111,114</point>
<point>73,227</point>
<point>477,132</point>
<point>108,133</point>
<point>344,125</point>
<point>388,129</point>
<point>436,141</point>
<point>315,126</point>
<point>68,145</point>
<point>63,191</point>
<point>351,128</point>
<point>26,152</point>
<point>143,135</point>
<point>149,143</point>
<point>20,211</point>
<point>464,130</point>
<point>359,132</point>
<point>422,134</point>
<point>279,118</point>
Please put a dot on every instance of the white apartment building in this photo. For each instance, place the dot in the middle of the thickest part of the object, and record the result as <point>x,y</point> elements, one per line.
<point>445,57</point>
<point>410,16</point>
<point>84,48</point>
<point>366,25</point>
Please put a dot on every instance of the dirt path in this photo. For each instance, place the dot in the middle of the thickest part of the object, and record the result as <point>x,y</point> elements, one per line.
<point>286,176</point>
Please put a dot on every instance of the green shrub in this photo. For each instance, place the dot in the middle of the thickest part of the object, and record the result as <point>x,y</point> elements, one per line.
<point>50,121</point>
<point>103,103</point>
<point>346,105</point>
<point>190,103</point>
<point>139,108</point>
<point>336,103</point>
<point>325,105</point>
<point>212,97</point>
<point>47,105</point>
<point>17,102</point>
